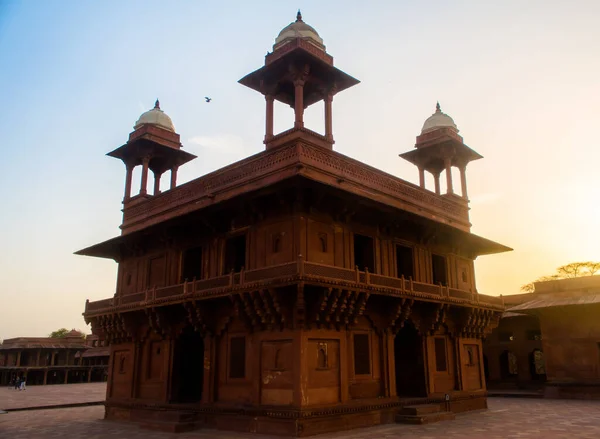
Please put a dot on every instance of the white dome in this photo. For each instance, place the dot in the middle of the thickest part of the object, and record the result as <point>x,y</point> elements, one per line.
<point>299,29</point>
<point>155,117</point>
<point>438,120</point>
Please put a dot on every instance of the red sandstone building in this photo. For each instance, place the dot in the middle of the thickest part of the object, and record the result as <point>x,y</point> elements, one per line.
<point>45,360</point>
<point>549,340</point>
<point>297,291</point>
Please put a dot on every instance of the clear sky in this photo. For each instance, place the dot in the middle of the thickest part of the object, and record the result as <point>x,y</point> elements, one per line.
<point>521,80</point>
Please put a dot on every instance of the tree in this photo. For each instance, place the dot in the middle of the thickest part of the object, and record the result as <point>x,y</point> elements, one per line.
<point>62,332</point>
<point>574,269</point>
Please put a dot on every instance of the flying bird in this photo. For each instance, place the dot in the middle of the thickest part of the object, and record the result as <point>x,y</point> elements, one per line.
<point>207,99</point>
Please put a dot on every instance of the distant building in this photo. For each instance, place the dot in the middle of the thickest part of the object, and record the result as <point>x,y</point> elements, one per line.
<point>297,291</point>
<point>45,360</point>
<point>549,338</point>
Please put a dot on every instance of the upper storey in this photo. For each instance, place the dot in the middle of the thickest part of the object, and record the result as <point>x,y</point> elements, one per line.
<point>298,72</point>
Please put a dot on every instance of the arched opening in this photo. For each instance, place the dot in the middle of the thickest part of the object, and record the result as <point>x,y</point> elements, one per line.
<point>537,365</point>
<point>188,367</point>
<point>410,366</point>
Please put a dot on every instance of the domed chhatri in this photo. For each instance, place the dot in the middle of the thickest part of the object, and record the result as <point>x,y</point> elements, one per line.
<point>438,120</point>
<point>298,29</point>
<point>155,117</point>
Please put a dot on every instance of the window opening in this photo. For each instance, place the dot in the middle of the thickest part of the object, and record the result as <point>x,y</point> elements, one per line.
<point>362,357</point>
<point>438,264</point>
<point>237,357</point>
<point>364,255</point>
<point>235,253</point>
<point>404,261</point>
<point>441,362</point>
<point>192,264</point>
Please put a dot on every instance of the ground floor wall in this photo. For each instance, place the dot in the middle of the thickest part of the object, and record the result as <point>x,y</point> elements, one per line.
<point>318,378</point>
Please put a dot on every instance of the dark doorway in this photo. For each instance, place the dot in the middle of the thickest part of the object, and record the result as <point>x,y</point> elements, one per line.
<point>192,264</point>
<point>486,369</point>
<point>188,367</point>
<point>364,253</point>
<point>235,253</point>
<point>438,264</point>
<point>408,357</point>
<point>404,261</point>
<point>508,365</point>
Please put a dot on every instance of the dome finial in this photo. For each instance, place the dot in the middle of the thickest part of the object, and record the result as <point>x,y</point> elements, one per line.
<point>299,16</point>
<point>157,104</point>
<point>437,108</point>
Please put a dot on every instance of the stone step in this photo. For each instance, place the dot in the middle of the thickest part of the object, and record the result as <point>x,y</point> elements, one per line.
<point>422,409</point>
<point>171,427</point>
<point>424,419</point>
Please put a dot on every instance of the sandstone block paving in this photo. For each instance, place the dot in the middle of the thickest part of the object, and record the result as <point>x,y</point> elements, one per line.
<point>506,418</point>
<point>59,394</point>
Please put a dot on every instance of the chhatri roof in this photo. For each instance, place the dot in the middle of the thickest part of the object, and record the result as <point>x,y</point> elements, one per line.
<point>298,29</point>
<point>438,120</point>
<point>155,117</point>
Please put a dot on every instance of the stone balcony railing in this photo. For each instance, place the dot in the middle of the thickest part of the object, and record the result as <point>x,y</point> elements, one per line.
<point>289,273</point>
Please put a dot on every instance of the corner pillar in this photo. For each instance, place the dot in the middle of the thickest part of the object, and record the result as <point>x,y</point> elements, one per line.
<point>269,118</point>
<point>144,184</point>
<point>299,103</point>
<point>463,181</point>
<point>174,176</point>
<point>422,177</point>
<point>436,178</point>
<point>448,165</point>
<point>157,176</point>
<point>329,117</point>
<point>128,178</point>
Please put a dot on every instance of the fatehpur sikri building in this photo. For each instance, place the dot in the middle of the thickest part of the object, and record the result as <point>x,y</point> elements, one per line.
<point>297,291</point>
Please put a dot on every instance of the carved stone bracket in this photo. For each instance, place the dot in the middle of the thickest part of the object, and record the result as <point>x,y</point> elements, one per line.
<point>479,322</point>
<point>260,309</point>
<point>400,313</point>
<point>157,322</point>
<point>338,307</point>
<point>112,328</point>
<point>196,318</point>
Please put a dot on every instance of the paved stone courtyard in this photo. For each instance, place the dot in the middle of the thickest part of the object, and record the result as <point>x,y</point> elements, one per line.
<point>59,394</point>
<point>506,418</point>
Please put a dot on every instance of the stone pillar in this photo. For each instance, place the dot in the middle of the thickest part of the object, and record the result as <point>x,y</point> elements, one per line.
<point>128,177</point>
<point>436,178</point>
<point>37,360</point>
<point>45,377</point>
<point>299,103</point>
<point>463,181</point>
<point>269,118</point>
<point>448,165</point>
<point>422,177</point>
<point>329,117</point>
<point>18,359</point>
<point>156,183</point>
<point>66,375</point>
<point>89,375</point>
<point>52,358</point>
<point>174,176</point>
<point>144,185</point>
